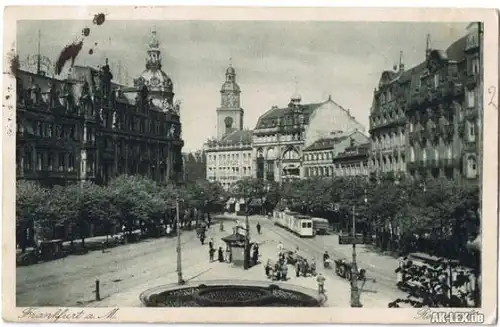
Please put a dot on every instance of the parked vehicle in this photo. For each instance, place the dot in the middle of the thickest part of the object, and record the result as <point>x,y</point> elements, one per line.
<point>294,222</point>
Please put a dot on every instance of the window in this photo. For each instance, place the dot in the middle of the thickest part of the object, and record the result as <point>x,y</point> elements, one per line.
<point>39,161</point>
<point>412,154</point>
<point>471,131</point>
<point>436,81</point>
<point>436,154</point>
<point>471,167</point>
<point>50,161</point>
<point>61,161</point>
<point>424,154</point>
<point>475,66</point>
<point>470,98</point>
<point>27,159</point>
<point>449,153</point>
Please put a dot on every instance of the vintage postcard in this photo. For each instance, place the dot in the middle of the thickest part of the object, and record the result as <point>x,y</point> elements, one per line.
<point>232,164</point>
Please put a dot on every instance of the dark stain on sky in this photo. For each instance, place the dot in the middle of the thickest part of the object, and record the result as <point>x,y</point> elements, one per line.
<point>99,19</point>
<point>86,31</point>
<point>70,52</point>
<point>14,63</point>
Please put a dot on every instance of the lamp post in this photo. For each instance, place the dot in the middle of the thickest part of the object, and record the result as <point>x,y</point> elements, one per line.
<point>355,293</point>
<point>246,262</point>
<point>180,281</point>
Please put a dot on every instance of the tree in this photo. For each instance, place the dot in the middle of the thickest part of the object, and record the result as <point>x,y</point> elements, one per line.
<point>31,208</point>
<point>432,285</point>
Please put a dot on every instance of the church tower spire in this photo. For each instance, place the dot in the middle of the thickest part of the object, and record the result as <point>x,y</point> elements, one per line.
<point>230,113</point>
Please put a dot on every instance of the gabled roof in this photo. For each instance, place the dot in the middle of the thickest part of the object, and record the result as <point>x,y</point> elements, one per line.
<point>237,137</point>
<point>326,143</point>
<point>456,51</point>
<point>271,117</point>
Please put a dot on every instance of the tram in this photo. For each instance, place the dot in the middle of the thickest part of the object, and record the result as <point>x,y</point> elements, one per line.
<point>294,222</point>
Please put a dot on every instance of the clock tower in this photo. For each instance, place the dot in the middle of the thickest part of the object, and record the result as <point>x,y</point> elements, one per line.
<point>230,113</point>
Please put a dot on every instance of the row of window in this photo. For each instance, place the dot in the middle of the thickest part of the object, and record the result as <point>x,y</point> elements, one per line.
<point>223,171</point>
<point>388,163</point>
<point>224,158</point>
<point>387,117</point>
<point>348,169</point>
<point>48,161</point>
<point>274,138</point>
<point>389,140</point>
<point>318,156</point>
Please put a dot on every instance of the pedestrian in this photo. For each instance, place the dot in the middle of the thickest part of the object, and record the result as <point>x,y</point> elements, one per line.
<point>255,255</point>
<point>202,238</point>
<point>221,226</point>
<point>258,227</point>
<point>267,268</point>
<point>280,248</point>
<point>284,272</point>
<point>321,283</point>
<point>277,269</point>
<point>211,243</point>
<point>313,266</point>
<point>297,268</point>
<point>221,254</point>
<point>211,253</point>
<point>169,230</point>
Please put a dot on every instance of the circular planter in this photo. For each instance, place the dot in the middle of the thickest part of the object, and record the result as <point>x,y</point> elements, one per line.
<point>233,296</point>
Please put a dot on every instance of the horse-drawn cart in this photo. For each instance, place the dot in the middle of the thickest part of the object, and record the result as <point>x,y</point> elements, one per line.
<point>343,269</point>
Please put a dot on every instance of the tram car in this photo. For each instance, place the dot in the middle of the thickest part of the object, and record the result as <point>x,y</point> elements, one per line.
<point>295,223</point>
<point>320,226</point>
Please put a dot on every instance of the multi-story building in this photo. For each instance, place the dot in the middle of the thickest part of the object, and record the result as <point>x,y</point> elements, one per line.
<point>85,127</point>
<point>328,157</point>
<point>353,161</point>
<point>229,156</point>
<point>281,134</point>
<point>426,120</point>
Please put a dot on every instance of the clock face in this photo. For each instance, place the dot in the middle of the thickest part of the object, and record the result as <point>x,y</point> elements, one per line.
<point>155,81</point>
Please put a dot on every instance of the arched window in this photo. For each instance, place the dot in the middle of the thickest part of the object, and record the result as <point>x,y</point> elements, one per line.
<point>471,167</point>
<point>291,154</point>
<point>436,154</point>
<point>412,154</point>
<point>424,154</point>
<point>449,153</point>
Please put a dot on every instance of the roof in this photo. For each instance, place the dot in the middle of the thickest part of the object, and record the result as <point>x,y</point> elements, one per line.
<point>270,118</point>
<point>237,137</point>
<point>325,143</point>
<point>456,51</point>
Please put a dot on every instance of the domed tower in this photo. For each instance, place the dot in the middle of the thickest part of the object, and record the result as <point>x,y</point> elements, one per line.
<point>159,85</point>
<point>230,113</point>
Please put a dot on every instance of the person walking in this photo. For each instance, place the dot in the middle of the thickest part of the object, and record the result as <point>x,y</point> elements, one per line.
<point>297,268</point>
<point>321,283</point>
<point>280,248</point>
<point>211,243</point>
<point>221,254</point>
<point>284,271</point>
<point>211,252</point>
<point>258,228</point>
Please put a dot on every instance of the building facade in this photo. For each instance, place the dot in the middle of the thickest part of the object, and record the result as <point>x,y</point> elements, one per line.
<point>426,121</point>
<point>342,155</point>
<point>229,155</point>
<point>86,128</point>
<point>281,134</point>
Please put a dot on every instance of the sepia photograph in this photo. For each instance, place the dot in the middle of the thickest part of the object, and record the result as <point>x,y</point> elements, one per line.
<point>241,163</point>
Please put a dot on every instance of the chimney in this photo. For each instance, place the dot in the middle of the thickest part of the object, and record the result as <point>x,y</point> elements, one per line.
<point>428,46</point>
<point>401,62</point>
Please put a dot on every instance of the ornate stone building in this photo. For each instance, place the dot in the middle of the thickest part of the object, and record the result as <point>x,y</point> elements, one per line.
<point>281,135</point>
<point>427,120</point>
<point>85,127</point>
<point>341,155</point>
<point>229,156</point>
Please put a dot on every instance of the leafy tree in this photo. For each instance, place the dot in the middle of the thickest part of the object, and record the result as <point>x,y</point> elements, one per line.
<point>431,285</point>
<point>31,207</point>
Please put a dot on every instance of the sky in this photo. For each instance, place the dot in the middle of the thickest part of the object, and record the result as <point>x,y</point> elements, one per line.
<point>273,60</point>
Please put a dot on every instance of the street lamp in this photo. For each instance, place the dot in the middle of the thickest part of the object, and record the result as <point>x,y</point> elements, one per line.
<point>355,293</point>
<point>180,280</point>
<point>246,262</point>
